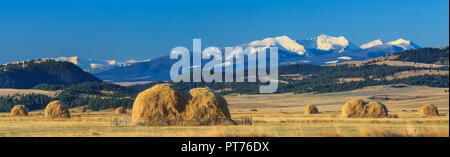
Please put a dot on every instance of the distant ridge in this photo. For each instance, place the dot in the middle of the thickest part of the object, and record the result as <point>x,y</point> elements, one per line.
<point>27,74</point>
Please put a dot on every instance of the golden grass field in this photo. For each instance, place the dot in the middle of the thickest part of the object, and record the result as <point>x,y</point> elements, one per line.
<point>274,115</point>
<point>6,92</point>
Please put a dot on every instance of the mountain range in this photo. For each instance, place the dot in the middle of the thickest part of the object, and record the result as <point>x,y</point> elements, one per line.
<point>320,50</point>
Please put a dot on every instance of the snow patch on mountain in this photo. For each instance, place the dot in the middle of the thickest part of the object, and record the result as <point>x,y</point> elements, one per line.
<point>332,62</point>
<point>344,58</point>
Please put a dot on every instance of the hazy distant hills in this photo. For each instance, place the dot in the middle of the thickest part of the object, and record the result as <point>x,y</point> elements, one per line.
<point>28,74</point>
<point>321,50</point>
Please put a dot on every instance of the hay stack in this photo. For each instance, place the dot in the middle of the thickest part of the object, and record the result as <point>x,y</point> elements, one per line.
<point>206,107</point>
<point>19,110</point>
<point>163,105</point>
<point>361,109</point>
<point>158,105</point>
<point>375,110</point>
<point>353,108</point>
<point>311,109</point>
<point>120,110</point>
<point>55,110</point>
<point>428,110</point>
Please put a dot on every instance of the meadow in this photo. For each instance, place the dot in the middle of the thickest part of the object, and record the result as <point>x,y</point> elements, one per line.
<point>273,115</point>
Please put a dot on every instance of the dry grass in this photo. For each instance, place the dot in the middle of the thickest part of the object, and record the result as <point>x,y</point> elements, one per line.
<point>410,131</point>
<point>274,115</point>
<point>97,124</point>
<point>5,92</point>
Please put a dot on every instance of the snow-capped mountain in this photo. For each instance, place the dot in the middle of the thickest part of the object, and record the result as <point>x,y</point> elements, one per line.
<point>320,50</point>
<point>283,42</point>
<point>328,43</point>
<point>379,47</point>
<point>399,43</point>
<point>372,44</point>
<point>405,44</point>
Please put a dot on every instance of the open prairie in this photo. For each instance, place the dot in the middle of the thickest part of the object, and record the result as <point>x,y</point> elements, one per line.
<point>274,115</point>
<point>6,92</point>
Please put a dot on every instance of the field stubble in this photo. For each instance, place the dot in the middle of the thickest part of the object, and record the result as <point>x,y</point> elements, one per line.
<point>275,115</point>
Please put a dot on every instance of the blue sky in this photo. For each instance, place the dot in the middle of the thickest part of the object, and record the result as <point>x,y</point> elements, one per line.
<point>125,30</point>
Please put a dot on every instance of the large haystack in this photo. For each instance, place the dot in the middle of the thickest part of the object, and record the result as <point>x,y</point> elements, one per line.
<point>206,107</point>
<point>163,105</point>
<point>375,110</point>
<point>158,105</point>
<point>353,108</point>
<point>311,109</point>
<point>120,110</point>
<point>361,109</point>
<point>428,110</point>
<point>19,110</point>
<point>56,110</point>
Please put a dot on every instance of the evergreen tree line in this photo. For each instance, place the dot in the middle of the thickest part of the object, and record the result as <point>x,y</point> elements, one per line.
<point>31,101</point>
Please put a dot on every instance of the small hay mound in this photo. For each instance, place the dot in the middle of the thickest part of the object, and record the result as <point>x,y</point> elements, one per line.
<point>120,110</point>
<point>55,110</point>
<point>19,110</point>
<point>206,108</point>
<point>428,110</point>
<point>311,109</point>
<point>158,105</point>
<point>358,108</point>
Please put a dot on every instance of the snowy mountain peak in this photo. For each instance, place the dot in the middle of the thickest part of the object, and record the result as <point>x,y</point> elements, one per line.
<point>372,44</point>
<point>399,41</point>
<point>283,42</point>
<point>404,44</point>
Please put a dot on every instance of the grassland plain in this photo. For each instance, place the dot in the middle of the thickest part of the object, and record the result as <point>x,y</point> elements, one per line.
<point>274,115</point>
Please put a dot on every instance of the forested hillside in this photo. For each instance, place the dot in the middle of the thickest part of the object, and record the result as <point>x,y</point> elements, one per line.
<point>425,55</point>
<point>25,75</point>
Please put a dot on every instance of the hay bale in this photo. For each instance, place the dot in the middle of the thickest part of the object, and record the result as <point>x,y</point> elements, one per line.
<point>362,109</point>
<point>120,110</point>
<point>428,110</point>
<point>55,110</point>
<point>311,109</point>
<point>206,108</point>
<point>19,110</point>
<point>158,105</point>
